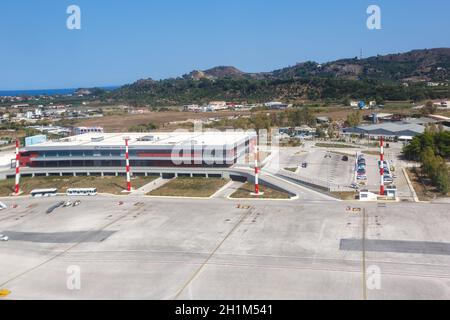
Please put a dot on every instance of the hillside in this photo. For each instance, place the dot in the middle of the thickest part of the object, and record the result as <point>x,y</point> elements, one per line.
<point>379,77</point>
<point>216,73</point>
<point>417,65</point>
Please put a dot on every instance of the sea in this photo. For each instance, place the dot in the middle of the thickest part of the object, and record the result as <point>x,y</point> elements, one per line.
<point>49,92</point>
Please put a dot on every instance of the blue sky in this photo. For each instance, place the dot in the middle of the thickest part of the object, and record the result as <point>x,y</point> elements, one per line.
<point>122,41</point>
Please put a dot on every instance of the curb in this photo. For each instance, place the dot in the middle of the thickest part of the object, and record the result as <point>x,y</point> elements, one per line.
<point>416,198</point>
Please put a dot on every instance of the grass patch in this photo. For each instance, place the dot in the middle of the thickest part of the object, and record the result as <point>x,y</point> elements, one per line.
<point>291,169</point>
<point>269,193</point>
<point>290,142</point>
<point>423,186</point>
<point>334,145</point>
<point>190,187</point>
<point>112,185</point>
<point>345,195</point>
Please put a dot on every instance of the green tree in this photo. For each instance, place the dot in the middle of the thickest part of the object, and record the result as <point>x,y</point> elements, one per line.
<point>442,179</point>
<point>354,119</point>
<point>262,121</point>
<point>429,108</point>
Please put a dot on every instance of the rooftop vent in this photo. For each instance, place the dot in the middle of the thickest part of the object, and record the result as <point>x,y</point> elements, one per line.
<point>148,138</point>
<point>97,139</point>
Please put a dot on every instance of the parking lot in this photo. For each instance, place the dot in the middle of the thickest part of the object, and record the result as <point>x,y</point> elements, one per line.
<point>322,167</point>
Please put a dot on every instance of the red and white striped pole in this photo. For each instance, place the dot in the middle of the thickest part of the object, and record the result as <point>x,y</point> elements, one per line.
<point>17,186</point>
<point>381,166</point>
<point>127,163</point>
<point>256,170</point>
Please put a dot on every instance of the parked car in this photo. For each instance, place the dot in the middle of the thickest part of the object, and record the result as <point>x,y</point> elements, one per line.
<point>76,203</point>
<point>3,237</point>
<point>345,158</point>
<point>304,165</point>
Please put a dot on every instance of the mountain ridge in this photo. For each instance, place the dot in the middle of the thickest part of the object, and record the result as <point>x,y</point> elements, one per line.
<point>348,68</point>
<point>381,76</point>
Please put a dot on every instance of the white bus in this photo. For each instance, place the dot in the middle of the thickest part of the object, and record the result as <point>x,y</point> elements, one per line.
<point>82,192</point>
<point>37,193</point>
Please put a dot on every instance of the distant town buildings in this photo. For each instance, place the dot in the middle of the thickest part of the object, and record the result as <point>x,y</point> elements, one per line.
<point>217,105</point>
<point>323,120</point>
<point>56,130</point>
<point>84,130</point>
<point>192,108</point>
<point>276,105</point>
<point>214,106</point>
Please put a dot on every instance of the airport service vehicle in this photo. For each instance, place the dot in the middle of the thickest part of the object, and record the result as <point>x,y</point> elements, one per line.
<point>388,179</point>
<point>68,203</point>
<point>37,193</point>
<point>3,237</point>
<point>3,206</point>
<point>81,192</point>
<point>56,206</point>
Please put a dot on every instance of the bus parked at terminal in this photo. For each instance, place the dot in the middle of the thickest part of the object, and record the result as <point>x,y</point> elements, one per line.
<point>38,193</point>
<point>81,192</point>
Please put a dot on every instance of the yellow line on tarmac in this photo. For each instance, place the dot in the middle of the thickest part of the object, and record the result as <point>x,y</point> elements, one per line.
<point>4,293</point>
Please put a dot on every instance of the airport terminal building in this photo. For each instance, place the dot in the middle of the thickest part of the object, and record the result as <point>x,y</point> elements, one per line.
<point>174,149</point>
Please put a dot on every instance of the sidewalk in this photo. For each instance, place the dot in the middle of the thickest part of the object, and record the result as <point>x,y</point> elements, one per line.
<point>230,188</point>
<point>155,184</point>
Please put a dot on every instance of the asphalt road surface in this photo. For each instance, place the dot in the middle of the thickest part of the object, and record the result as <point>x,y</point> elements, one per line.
<point>151,248</point>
